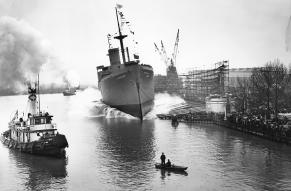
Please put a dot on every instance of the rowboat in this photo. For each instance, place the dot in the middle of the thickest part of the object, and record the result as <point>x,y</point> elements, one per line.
<point>170,168</point>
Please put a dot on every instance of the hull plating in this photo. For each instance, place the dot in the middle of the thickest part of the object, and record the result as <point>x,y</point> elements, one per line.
<point>54,147</point>
<point>129,89</point>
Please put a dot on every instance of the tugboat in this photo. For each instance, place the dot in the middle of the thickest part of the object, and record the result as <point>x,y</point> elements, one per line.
<point>34,133</point>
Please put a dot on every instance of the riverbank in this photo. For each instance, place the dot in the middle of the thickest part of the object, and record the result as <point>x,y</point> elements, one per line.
<point>279,131</point>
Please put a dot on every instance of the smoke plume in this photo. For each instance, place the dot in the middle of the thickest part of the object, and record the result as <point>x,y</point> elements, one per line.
<point>23,52</point>
<point>71,79</point>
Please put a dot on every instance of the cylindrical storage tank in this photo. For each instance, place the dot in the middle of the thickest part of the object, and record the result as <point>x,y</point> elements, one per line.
<point>114,56</point>
<point>216,105</point>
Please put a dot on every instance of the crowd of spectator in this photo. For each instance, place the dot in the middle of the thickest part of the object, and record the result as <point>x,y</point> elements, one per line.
<point>278,129</point>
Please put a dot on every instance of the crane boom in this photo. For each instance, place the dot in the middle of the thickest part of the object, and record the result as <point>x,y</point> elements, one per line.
<point>162,52</point>
<point>163,49</point>
<point>175,52</point>
<point>157,49</point>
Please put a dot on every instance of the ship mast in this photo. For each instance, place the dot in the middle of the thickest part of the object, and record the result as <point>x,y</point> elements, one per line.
<point>120,38</point>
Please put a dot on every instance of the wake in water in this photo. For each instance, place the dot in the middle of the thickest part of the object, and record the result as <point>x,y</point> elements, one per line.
<point>83,104</point>
<point>88,103</point>
<point>164,103</point>
<point>109,112</point>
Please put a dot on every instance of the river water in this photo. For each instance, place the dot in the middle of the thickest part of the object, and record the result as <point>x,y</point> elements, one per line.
<point>109,150</point>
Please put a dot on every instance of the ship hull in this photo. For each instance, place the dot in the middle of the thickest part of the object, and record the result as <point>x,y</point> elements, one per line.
<point>54,147</point>
<point>128,88</point>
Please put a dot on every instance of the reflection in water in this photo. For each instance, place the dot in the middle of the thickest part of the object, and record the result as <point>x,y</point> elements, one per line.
<point>165,173</point>
<point>120,153</point>
<point>247,160</point>
<point>40,172</point>
<point>130,150</point>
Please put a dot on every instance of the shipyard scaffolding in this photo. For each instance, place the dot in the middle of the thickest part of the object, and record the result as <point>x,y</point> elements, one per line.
<point>198,84</point>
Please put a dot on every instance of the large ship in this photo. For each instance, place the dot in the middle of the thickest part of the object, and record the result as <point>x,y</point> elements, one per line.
<point>127,86</point>
<point>34,133</point>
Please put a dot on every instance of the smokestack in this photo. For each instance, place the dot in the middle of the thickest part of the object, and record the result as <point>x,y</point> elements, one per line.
<point>114,57</point>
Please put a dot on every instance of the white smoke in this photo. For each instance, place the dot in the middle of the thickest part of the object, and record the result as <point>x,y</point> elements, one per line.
<point>23,54</point>
<point>72,79</point>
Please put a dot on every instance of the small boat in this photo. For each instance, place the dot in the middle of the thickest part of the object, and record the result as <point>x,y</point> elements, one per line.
<point>69,92</point>
<point>170,168</point>
<point>34,132</point>
<point>164,116</point>
<point>175,121</point>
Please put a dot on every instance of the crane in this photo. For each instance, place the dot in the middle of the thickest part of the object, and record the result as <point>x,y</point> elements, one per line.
<point>175,52</point>
<point>162,52</point>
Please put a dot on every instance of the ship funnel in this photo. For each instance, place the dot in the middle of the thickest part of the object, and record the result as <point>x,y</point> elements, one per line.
<point>113,54</point>
<point>32,102</point>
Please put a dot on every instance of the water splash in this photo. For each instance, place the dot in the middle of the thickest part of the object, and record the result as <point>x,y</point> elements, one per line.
<point>89,103</point>
<point>109,112</point>
<point>164,103</point>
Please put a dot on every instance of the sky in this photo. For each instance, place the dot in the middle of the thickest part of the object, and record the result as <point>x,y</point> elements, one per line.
<point>248,33</point>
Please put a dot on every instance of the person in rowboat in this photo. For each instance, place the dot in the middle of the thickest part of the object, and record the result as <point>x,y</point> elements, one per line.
<point>163,159</point>
<point>168,164</point>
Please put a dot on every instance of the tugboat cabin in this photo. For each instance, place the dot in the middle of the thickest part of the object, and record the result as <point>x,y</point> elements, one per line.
<point>36,127</point>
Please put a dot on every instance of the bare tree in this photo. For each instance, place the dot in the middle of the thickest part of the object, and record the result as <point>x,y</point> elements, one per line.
<point>242,94</point>
<point>280,79</point>
<point>269,83</point>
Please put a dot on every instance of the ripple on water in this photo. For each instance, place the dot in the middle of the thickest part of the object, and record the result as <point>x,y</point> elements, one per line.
<point>119,153</point>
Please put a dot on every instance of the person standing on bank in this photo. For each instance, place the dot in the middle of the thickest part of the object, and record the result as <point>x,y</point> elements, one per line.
<point>163,159</point>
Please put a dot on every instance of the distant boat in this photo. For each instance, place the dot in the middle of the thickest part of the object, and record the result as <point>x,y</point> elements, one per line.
<point>175,121</point>
<point>127,86</point>
<point>34,133</point>
<point>69,92</point>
